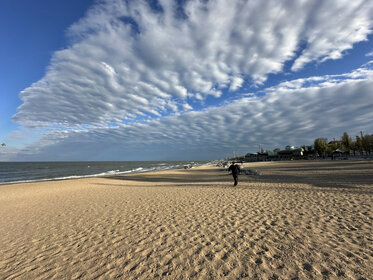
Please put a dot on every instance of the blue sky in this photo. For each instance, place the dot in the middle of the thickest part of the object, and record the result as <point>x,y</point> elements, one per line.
<point>31,31</point>
<point>164,80</point>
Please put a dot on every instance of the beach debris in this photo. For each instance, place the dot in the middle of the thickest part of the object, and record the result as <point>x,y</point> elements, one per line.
<point>248,171</point>
<point>221,163</point>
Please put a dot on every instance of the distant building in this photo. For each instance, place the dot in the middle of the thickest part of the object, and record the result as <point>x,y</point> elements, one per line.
<point>335,142</point>
<point>256,157</point>
<point>290,153</point>
<point>339,154</point>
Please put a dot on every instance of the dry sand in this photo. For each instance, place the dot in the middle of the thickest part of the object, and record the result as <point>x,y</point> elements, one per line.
<point>297,220</point>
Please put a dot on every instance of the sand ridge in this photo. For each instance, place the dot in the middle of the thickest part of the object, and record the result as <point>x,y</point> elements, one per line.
<point>297,220</point>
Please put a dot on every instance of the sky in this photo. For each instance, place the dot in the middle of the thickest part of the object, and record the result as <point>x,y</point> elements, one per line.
<point>180,80</point>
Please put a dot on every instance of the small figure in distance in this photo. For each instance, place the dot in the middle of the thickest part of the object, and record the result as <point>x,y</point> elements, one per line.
<point>235,169</point>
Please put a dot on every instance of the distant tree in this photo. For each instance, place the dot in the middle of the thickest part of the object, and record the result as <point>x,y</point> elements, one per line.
<point>346,142</point>
<point>321,145</point>
<point>367,143</point>
<point>370,143</point>
<point>277,150</point>
<point>359,144</point>
<point>331,147</point>
<point>354,147</point>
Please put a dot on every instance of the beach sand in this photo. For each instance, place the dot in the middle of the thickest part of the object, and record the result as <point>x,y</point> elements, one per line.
<point>296,220</point>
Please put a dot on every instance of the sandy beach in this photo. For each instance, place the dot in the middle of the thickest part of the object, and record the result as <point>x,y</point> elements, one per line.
<point>296,220</point>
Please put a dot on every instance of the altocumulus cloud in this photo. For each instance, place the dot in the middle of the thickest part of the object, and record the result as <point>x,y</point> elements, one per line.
<point>129,61</point>
<point>286,114</point>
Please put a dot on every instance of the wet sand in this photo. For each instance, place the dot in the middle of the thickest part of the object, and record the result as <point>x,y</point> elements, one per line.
<point>296,220</point>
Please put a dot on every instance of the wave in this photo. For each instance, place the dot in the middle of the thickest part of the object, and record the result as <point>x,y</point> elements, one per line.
<point>159,167</point>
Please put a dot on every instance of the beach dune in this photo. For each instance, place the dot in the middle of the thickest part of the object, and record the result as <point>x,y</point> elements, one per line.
<point>296,220</point>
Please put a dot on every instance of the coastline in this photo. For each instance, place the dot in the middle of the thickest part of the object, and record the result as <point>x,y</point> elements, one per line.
<point>26,172</point>
<point>296,219</point>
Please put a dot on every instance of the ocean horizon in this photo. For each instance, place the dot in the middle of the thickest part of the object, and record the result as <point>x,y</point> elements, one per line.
<point>21,172</point>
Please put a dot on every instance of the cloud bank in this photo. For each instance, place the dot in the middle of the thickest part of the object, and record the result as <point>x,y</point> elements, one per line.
<point>138,81</point>
<point>293,112</point>
<point>130,60</point>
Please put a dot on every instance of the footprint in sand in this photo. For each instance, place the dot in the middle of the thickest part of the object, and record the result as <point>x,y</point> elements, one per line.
<point>307,266</point>
<point>258,261</point>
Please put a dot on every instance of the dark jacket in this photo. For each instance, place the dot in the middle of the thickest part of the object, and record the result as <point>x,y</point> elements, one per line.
<point>235,169</point>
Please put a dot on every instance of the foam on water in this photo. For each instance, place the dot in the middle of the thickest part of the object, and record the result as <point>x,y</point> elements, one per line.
<point>11,173</point>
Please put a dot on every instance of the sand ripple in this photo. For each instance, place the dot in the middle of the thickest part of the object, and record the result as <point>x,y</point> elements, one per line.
<point>190,224</point>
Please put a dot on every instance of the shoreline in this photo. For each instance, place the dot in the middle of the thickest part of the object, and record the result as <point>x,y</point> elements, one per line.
<point>294,220</point>
<point>140,169</point>
<point>129,172</point>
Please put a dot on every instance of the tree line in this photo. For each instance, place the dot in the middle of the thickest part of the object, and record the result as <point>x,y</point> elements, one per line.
<point>361,145</point>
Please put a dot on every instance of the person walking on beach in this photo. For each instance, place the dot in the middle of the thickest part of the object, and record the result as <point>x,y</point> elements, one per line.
<point>235,169</point>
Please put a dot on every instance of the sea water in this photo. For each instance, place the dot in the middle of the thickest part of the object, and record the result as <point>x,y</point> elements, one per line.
<point>18,172</point>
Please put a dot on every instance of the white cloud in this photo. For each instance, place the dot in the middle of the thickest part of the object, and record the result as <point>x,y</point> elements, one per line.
<point>332,27</point>
<point>236,83</point>
<point>128,60</point>
<point>291,113</point>
<point>360,74</point>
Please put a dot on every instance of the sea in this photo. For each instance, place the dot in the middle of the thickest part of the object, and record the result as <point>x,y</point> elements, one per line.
<point>20,172</point>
